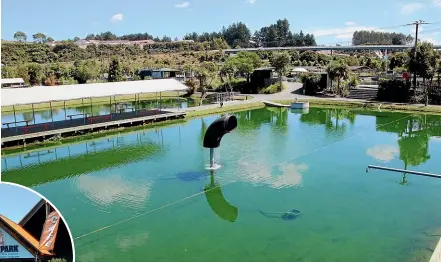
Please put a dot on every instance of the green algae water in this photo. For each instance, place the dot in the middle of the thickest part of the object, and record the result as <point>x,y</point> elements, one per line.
<point>147,196</point>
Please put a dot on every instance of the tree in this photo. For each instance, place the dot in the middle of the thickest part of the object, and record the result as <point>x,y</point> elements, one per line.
<point>424,65</point>
<point>20,36</point>
<point>338,70</point>
<point>237,34</point>
<point>76,38</point>
<point>309,56</point>
<point>280,62</point>
<point>228,70</point>
<point>85,71</point>
<point>115,70</point>
<point>380,38</point>
<point>245,63</point>
<point>50,39</point>
<point>39,38</point>
<point>399,59</point>
<point>35,72</point>
<point>205,72</point>
<point>219,44</point>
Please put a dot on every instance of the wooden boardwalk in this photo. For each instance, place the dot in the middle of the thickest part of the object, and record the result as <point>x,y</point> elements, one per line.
<point>22,134</point>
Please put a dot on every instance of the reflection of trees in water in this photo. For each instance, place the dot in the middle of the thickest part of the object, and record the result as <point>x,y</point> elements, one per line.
<point>95,110</point>
<point>414,142</point>
<point>332,118</point>
<point>414,132</point>
<point>46,114</point>
<point>28,116</point>
<point>279,119</point>
<point>254,119</point>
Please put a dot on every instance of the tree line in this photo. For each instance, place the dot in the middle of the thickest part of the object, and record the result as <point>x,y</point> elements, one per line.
<point>235,35</point>
<point>239,35</point>
<point>380,38</point>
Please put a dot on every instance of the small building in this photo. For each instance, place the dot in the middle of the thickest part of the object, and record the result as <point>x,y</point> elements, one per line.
<point>26,240</point>
<point>13,83</point>
<point>158,73</point>
<point>263,77</point>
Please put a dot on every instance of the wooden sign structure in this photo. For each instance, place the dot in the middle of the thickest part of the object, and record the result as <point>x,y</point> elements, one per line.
<point>49,234</point>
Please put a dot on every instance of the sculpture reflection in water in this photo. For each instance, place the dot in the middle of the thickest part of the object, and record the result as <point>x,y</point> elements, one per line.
<point>224,210</point>
<point>220,206</point>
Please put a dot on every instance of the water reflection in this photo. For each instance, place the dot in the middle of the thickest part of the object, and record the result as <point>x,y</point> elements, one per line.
<point>217,201</point>
<point>414,132</point>
<point>277,118</point>
<point>335,120</point>
<point>57,114</point>
<point>105,190</point>
<point>383,153</point>
<point>50,165</point>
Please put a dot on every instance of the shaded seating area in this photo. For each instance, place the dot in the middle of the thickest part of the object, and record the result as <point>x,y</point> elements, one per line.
<point>85,93</point>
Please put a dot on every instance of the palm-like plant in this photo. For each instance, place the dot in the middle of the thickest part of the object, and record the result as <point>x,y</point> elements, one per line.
<point>338,70</point>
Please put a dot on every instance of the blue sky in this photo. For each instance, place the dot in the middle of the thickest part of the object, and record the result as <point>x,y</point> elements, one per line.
<point>16,201</point>
<point>63,19</point>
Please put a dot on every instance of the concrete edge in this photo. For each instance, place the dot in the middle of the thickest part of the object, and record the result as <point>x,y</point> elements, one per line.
<point>436,256</point>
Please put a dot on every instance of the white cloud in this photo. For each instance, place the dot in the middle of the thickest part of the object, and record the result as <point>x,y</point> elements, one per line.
<point>343,32</point>
<point>429,39</point>
<point>250,1</point>
<point>383,153</point>
<point>117,17</point>
<point>182,5</point>
<point>437,2</point>
<point>351,23</point>
<point>410,8</point>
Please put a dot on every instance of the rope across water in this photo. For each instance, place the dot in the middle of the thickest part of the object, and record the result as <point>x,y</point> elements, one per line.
<point>228,183</point>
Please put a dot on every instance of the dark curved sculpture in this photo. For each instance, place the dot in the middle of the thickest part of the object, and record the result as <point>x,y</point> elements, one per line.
<point>218,129</point>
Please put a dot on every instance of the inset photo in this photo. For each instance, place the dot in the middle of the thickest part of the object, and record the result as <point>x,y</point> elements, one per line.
<point>31,228</point>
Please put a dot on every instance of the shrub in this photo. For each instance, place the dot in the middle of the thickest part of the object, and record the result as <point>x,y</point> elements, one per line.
<point>272,89</point>
<point>353,80</point>
<point>237,84</point>
<point>393,90</point>
<point>313,83</point>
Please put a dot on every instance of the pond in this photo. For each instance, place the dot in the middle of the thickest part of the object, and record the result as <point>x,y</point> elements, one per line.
<point>44,116</point>
<point>292,187</point>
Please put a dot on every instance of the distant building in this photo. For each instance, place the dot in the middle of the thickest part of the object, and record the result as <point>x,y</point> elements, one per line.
<point>263,77</point>
<point>158,73</point>
<point>13,82</point>
<point>83,43</point>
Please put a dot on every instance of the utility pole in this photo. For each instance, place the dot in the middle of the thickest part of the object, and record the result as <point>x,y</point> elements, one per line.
<point>417,24</point>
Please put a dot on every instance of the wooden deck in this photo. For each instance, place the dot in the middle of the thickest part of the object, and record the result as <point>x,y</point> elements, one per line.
<point>22,134</point>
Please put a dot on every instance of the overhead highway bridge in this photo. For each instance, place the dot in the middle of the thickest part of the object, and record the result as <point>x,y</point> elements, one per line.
<point>328,48</point>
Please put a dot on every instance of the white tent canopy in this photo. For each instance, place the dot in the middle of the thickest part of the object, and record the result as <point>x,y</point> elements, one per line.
<point>41,94</point>
<point>12,81</point>
<point>299,69</point>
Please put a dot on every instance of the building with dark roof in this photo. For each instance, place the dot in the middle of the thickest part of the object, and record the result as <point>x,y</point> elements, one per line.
<point>157,73</point>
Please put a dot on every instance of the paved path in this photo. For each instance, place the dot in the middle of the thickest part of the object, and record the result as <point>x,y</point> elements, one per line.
<point>291,92</point>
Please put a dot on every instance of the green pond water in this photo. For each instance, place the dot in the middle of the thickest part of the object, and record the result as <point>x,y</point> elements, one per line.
<point>146,196</point>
